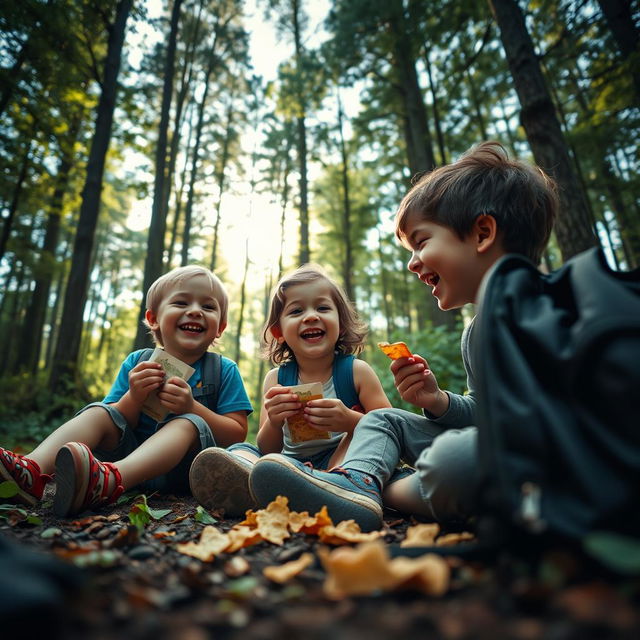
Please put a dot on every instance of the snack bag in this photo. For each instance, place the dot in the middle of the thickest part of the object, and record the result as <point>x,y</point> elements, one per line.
<point>299,428</point>
<point>172,367</point>
<point>395,350</point>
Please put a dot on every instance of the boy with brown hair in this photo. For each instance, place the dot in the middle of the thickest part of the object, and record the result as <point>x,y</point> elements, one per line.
<point>456,221</point>
<point>113,445</point>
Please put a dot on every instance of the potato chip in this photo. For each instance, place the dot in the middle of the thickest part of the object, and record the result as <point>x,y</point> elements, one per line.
<point>273,522</point>
<point>314,524</point>
<point>299,428</point>
<point>285,572</point>
<point>421,535</point>
<point>367,568</point>
<point>450,539</point>
<point>395,350</point>
<point>212,542</point>
<point>240,537</point>
<point>346,532</point>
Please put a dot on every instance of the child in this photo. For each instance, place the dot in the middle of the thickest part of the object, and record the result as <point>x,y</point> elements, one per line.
<point>311,332</point>
<point>186,312</point>
<point>456,221</point>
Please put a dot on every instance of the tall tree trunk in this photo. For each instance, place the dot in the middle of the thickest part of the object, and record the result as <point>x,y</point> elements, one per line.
<point>30,341</point>
<point>418,138</point>
<point>347,264</point>
<point>436,109</point>
<point>305,250</point>
<point>158,224</point>
<point>627,36</point>
<point>221,174</point>
<point>243,299</point>
<point>574,231</point>
<point>68,343</point>
<point>15,198</point>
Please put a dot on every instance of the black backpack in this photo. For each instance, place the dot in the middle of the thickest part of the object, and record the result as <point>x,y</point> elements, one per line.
<point>557,360</point>
<point>208,393</point>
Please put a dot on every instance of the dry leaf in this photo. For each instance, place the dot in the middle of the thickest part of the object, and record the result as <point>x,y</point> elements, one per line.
<point>346,532</point>
<point>421,535</point>
<point>212,542</point>
<point>240,536</point>
<point>454,538</point>
<point>313,525</point>
<point>367,568</point>
<point>273,522</point>
<point>283,573</point>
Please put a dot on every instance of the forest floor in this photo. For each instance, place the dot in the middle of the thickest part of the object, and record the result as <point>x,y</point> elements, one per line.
<point>99,576</point>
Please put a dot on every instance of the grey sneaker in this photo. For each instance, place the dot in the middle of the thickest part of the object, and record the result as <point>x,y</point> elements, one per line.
<point>220,480</point>
<point>347,494</point>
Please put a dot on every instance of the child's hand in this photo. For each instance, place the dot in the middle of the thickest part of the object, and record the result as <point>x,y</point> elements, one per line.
<point>144,378</point>
<point>417,384</point>
<point>176,396</point>
<point>328,414</point>
<point>280,404</point>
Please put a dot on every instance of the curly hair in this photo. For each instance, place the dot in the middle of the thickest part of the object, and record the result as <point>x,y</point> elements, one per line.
<point>353,331</point>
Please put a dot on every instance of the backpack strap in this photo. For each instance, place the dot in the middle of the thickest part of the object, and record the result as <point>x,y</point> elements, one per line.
<point>207,393</point>
<point>342,379</point>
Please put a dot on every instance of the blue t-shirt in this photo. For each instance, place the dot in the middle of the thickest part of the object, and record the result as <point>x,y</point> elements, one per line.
<point>232,396</point>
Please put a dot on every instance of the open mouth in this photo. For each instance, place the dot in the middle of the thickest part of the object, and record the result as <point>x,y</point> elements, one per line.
<point>312,334</point>
<point>431,279</point>
<point>191,328</point>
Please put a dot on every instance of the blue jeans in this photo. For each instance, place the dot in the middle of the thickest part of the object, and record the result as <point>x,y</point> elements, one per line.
<point>176,480</point>
<point>445,459</point>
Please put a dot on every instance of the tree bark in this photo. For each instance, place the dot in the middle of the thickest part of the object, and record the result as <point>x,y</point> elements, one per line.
<point>573,228</point>
<point>158,225</point>
<point>68,343</point>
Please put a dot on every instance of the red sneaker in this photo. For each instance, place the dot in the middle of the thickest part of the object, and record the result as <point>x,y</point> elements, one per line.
<point>82,481</point>
<point>26,474</point>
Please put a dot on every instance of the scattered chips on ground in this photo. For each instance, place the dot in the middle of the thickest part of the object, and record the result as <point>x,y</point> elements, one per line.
<point>346,532</point>
<point>285,572</point>
<point>368,568</point>
<point>395,350</point>
<point>421,535</point>
<point>212,542</point>
<point>273,522</point>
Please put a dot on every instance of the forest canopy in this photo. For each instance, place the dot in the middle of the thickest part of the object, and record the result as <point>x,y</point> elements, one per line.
<point>139,136</point>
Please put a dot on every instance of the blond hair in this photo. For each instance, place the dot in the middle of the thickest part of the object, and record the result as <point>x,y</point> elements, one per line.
<point>158,291</point>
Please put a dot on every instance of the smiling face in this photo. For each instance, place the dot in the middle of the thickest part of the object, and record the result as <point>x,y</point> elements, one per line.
<point>451,266</point>
<point>188,318</point>
<point>309,322</point>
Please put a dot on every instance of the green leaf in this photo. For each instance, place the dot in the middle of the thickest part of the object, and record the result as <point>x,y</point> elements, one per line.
<point>8,489</point>
<point>158,514</point>
<point>203,516</point>
<point>32,518</point>
<point>51,532</point>
<point>618,552</point>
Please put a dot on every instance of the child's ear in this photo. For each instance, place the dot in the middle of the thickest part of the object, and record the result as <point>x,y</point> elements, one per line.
<point>485,231</point>
<point>276,332</point>
<point>221,328</point>
<point>151,319</point>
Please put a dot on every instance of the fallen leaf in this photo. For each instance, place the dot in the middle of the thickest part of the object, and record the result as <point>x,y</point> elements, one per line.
<point>273,522</point>
<point>367,568</point>
<point>285,572</point>
<point>421,535</point>
<point>212,542</point>
<point>346,532</point>
<point>241,536</point>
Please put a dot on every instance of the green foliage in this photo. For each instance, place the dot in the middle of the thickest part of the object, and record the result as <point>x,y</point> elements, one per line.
<point>141,514</point>
<point>203,516</point>
<point>29,411</point>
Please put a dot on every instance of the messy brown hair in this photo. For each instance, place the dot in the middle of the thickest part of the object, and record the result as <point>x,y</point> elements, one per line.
<point>521,197</point>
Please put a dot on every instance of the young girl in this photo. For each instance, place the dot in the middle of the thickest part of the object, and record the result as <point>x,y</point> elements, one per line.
<point>312,334</point>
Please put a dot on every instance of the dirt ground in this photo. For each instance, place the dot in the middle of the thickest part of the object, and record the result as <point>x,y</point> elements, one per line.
<point>99,577</point>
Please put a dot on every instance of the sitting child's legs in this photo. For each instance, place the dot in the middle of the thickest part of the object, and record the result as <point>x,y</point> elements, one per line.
<point>384,437</point>
<point>447,476</point>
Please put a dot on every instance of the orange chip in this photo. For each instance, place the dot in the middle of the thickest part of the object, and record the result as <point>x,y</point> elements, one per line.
<point>315,524</point>
<point>240,537</point>
<point>395,350</point>
<point>212,542</point>
<point>273,522</point>
<point>450,539</point>
<point>285,572</point>
<point>421,535</point>
<point>346,532</point>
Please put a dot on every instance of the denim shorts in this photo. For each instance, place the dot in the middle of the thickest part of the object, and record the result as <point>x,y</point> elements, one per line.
<point>176,480</point>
